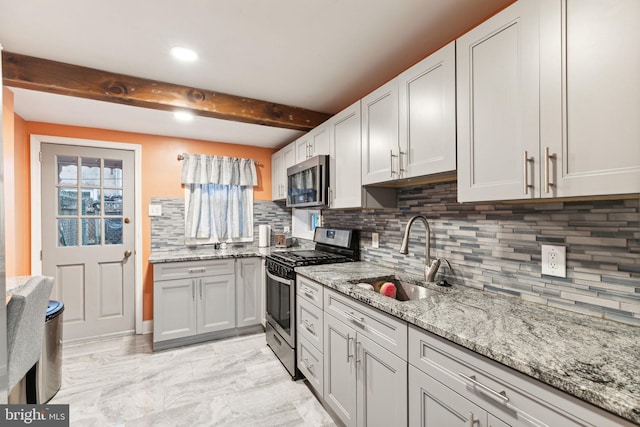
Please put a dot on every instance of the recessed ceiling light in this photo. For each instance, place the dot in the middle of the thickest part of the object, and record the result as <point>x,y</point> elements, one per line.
<point>184,54</point>
<point>183,116</point>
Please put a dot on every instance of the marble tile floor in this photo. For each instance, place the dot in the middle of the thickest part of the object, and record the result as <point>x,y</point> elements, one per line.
<point>233,382</point>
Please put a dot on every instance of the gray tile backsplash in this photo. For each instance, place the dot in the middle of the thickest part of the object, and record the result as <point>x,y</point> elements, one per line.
<point>167,231</point>
<point>491,246</point>
<point>496,247</point>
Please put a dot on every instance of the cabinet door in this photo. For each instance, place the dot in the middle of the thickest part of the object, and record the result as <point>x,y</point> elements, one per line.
<point>319,141</point>
<point>427,112</point>
<point>303,147</point>
<point>432,404</point>
<point>380,134</point>
<point>345,159</point>
<point>381,386</point>
<point>289,154</point>
<point>277,176</point>
<point>216,303</point>
<point>590,88</point>
<point>249,291</point>
<point>495,422</point>
<point>340,369</point>
<point>174,309</point>
<point>497,104</point>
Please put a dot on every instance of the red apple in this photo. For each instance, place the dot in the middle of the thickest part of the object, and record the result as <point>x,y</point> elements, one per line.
<point>388,289</point>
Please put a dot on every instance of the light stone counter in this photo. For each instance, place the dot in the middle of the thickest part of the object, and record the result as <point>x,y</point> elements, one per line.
<point>595,360</point>
<point>207,252</point>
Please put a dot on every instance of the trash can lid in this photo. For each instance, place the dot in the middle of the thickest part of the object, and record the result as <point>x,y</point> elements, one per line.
<point>54,308</point>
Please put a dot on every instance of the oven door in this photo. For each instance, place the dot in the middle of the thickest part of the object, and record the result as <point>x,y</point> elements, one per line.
<point>281,306</point>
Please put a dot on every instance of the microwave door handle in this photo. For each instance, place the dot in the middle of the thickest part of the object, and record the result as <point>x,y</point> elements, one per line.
<point>280,279</point>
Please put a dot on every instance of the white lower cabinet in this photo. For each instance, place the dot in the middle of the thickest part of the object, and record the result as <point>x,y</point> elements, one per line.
<point>364,383</point>
<point>452,386</point>
<point>195,301</point>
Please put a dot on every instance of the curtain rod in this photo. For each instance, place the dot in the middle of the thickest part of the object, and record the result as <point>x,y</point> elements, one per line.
<point>181,157</point>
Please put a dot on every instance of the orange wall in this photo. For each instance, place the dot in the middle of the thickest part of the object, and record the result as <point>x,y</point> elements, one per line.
<point>161,173</point>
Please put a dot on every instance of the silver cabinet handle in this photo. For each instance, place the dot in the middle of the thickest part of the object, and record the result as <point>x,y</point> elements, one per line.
<point>391,156</point>
<point>472,421</point>
<point>193,289</point>
<point>197,270</point>
<point>358,350</point>
<point>400,168</point>
<point>308,326</point>
<point>499,396</point>
<point>349,355</point>
<point>547,181</point>
<point>526,172</point>
<point>200,288</point>
<point>308,365</point>
<point>355,319</point>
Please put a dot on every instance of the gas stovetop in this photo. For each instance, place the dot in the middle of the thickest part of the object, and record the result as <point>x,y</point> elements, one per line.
<point>314,257</point>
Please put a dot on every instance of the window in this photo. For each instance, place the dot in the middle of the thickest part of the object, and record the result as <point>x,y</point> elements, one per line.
<point>218,199</point>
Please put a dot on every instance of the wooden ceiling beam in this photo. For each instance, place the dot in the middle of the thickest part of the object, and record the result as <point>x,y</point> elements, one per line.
<point>43,75</point>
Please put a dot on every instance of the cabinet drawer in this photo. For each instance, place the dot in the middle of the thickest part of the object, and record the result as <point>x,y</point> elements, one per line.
<point>311,364</point>
<point>309,290</point>
<point>503,392</point>
<point>186,269</point>
<point>310,323</point>
<point>382,328</point>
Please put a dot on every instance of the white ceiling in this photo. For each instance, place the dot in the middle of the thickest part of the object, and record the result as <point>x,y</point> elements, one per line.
<point>316,54</point>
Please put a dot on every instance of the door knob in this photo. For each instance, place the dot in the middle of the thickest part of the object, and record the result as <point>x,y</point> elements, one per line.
<point>127,253</point>
<point>127,220</point>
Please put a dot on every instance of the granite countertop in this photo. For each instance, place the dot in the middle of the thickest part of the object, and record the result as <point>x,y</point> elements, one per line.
<point>595,360</point>
<point>199,253</point>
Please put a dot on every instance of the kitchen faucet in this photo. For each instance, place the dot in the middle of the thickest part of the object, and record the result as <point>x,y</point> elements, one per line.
<point>430,271</point>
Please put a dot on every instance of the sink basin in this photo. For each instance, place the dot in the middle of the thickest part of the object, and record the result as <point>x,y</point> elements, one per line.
<point>405,291</point>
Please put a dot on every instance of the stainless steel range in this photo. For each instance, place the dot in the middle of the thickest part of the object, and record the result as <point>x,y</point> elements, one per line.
<point>332,246</point>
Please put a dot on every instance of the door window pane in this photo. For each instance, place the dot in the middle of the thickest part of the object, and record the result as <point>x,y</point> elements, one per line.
<point>67,232</point>
<point>113,231</point>
<point>90,174</point>
<point>67,170</point>
<point>112,173</point>
<point>90,201</point>
<point>67,201</point>
<point>91,232</point>
<point>112,202</point>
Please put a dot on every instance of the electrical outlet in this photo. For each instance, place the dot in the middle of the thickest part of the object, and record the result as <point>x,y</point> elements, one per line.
<point>287,229</point>
<point>375,240</point>
<point>554,260</point>
<point>155,210</point>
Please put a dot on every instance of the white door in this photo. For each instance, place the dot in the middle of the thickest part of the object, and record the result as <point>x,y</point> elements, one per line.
<point>340,369</point>
<point>88,237</point>
<point>216,303</point>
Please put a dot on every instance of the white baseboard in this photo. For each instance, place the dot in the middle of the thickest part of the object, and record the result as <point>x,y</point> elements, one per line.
<point>147,327</point>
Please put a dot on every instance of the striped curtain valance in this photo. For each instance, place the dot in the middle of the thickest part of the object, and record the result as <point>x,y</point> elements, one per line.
<point>220,170</point>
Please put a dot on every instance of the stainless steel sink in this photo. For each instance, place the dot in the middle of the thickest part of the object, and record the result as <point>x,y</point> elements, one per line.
<point>405,291</point>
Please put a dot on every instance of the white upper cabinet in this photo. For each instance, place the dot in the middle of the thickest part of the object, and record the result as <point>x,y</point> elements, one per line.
<point>314,143</point>
<point>344,162</point>
<point>427,113</point>
<point>280,161</point>
<point>590,97</point>
<point>380,134</point>
<point>498,102</point>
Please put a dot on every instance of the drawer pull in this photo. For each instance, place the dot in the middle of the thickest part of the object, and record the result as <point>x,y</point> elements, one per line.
<point>308,294</point>
<point>499,396</point>
<point>308,365</point>
<point>354,318</point>
<point>472,421</point>
<point>197,270</point>
<point>308,326</point>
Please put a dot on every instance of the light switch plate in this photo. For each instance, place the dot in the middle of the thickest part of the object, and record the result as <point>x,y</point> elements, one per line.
<point>375,240</point>
<point>554,260</point>
<point>155,210</point>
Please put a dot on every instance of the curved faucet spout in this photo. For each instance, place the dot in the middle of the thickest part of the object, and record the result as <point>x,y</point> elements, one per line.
<point>404,248</point>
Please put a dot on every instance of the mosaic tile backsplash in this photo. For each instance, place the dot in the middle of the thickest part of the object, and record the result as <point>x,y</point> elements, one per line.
<point>496,247</point>
<point>167,231</point>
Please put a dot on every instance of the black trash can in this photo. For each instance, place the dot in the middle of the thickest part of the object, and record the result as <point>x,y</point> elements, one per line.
<point>49,367</point>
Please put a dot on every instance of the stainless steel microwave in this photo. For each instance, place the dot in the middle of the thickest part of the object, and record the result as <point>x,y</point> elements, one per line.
<point>308,183</point>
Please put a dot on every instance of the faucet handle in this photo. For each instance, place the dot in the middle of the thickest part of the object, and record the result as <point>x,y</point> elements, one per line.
<point>430,272</point>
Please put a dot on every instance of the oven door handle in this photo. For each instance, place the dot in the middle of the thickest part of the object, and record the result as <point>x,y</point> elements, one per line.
<point>280,279</point>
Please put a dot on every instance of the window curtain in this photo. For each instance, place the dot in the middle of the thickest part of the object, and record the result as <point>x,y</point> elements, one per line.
<point>218,198</point>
